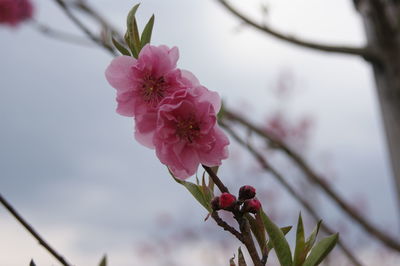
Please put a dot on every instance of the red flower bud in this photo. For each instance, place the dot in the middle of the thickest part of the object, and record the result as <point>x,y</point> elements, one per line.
<point>251,205</point>
<point>215,204</point>
<point>226,200</point>
<point>247,192</point>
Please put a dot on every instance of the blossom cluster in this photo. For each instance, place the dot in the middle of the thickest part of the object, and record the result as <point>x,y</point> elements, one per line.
<point>174,114</point>
<point>13,12</point>
<point>246,202</point>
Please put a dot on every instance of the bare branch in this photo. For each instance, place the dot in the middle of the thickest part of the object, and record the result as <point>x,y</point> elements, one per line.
<point>264,164</point>
<point>90,11</point>
<point>316,179</point>
<point>358,51</point>
<point>245,235</point>
<point>32,231</point>
<point>226,226</point>
<point>216,179</point>
<point>83,27</point>
<point>60,35</point>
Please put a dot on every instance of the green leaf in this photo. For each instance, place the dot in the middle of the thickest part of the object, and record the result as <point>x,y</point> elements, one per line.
<point>196,191</point>
<point>311,239</point>
<point>132,32</point>
<point>120,47</point>
<point>278,240</point>
<point>147,31</point>
<point>207,193</point>
<point>299,252</point>
<point>321,250</point>
<point>221,112</point>
<point>210,181</point>
<point>284,230</point>
<point>103,261</point>
<point>32,263</point>
<point>131,47</point>
<point>241,260</point>
<point>257,227</point>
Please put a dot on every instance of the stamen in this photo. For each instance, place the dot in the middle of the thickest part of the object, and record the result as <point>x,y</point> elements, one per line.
<point>153,89</point>
<point>188,129</point>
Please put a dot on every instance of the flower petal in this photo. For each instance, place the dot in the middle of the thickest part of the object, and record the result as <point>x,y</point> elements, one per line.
<point>120,74</point>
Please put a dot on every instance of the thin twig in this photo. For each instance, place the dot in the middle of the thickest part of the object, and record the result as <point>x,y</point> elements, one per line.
<point>83,27</point>
<point>315,179</point>
<point>60,35</point>
<point>226,226</point>
<point>216,179</point>
<point>246,237</point>
<point>248,240</point>
<point>264,164</point>
<point>89,10</point>
<point>358,51</point>
<point>32,231</point>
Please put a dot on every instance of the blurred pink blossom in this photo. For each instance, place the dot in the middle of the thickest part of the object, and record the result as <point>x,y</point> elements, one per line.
<point>187,132</point>
<point>13,12</point>
<point>294,134</point>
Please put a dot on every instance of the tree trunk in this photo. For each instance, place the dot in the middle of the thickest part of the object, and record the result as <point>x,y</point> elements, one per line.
<point>381,21</point>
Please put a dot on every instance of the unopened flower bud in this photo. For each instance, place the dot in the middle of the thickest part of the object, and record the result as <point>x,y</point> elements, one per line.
<point>226,200</point>
<point>247,192</point>
<point>251,205</point>
<point>215,204</point>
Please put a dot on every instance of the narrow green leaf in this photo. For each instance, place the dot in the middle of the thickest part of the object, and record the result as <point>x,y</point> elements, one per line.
<point>103,261</point>
<point>221,111</point>
<point>135,36</point>
<point>130,45</point>
<point>299,252</point>
<point>241,260</point>
<point>120,47</point>
<point>147,31</point>
<point>284,230</point>
<point>311,239</point>
<point>257,227</point>
<point>32,263</point>
<point>132,12</point>
<point>196,191</point>
<point>321,250</point>
<point>278,240</point>
<point>132,31</point>
<point>210,181</point>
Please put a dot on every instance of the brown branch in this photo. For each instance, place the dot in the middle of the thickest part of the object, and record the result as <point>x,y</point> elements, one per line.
<point>82,26</point>
<point>245,236</point>
<point>226,226</point>
<point>32,231</point>
<point>315,179</point>
<point>264,164</point>
<point>90,11</point>
<point>358,51</point>
<point>248,240</point>
<point>216,179</point>
<point>60,35</point>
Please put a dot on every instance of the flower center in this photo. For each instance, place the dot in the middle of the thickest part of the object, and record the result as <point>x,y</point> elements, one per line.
<point>188,129</point>
<point>153,90</point>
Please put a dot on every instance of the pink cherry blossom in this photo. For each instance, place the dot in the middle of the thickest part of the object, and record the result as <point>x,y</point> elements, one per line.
<point>13,12</point>
<point>187,132</point>
<point>143,83</point>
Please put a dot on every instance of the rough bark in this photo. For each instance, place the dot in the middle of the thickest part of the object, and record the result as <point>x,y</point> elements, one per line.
<point>381,21</point>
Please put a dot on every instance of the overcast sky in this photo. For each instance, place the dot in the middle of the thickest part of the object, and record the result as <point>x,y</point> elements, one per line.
<point>70,164</point>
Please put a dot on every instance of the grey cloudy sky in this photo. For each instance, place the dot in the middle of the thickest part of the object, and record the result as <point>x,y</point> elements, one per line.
<point>69,163</point>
